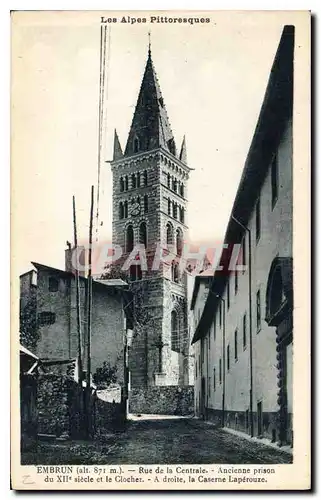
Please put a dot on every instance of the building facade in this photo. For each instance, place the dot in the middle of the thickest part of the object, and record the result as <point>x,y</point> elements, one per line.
<point>150,226</point>
<point>48,318</point>
<point>243,339</point>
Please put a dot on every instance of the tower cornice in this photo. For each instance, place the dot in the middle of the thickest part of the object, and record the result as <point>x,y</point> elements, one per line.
<point>125,160</point>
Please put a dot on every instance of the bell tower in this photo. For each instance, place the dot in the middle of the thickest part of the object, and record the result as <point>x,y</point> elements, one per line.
<point>150,208</point>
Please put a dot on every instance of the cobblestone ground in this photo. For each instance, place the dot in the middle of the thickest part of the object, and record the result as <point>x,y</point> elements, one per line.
<point>159,441</point>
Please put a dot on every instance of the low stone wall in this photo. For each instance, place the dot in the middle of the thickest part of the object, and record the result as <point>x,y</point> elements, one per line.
<point>162,400</point>
<point>108,417</point>
<point>59,404</point>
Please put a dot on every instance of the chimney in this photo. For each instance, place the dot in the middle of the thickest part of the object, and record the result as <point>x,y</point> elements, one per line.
<point>71,259</point>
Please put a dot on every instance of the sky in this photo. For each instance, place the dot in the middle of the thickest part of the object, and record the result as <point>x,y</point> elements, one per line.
<point>213,78</point>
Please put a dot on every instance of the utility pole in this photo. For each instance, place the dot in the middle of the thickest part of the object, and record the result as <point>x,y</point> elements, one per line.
<point>89,311</point>
<point>79,335</point>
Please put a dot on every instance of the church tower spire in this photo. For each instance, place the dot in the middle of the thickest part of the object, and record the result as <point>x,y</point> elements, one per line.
<point>150,179</point>
<point>150,128</point>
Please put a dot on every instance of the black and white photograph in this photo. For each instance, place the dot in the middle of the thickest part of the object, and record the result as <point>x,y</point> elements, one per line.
<point>160,214</point>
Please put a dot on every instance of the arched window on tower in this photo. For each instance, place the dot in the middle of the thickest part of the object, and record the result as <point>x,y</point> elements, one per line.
<point>121,185</point>
<point>138,179</point>
<point>126,183</point>
<point>175,272</point>
<point>169,234</point>
<point>136,144</point>
<point>169,180</point>
<point>174,331</point>
<point>179,241</point>
<point>182,190</point>
<point>175,210</point>
<point>129,239</point>
<point>133,181</point>
<point>125,209</point>
<point>121,210</point>
<point>143,234</point>
<point>145,177</point>
<point>169,207</point>
<point>182,214</point>
<point>146,204</point>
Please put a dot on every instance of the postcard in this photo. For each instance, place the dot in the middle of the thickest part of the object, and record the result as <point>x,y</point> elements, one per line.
<point>160,250</point>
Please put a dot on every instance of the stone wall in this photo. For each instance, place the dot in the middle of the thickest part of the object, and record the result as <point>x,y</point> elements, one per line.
<point>163,400</point>
<point>108,417</point>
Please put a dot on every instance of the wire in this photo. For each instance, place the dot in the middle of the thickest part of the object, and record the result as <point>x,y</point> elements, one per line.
<point>102,77</point>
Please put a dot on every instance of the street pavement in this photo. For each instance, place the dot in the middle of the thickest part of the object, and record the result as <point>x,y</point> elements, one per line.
<point>170,440</point>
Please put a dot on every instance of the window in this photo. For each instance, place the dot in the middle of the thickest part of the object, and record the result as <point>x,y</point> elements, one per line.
<point>182,190</point>
<point>258,219</point>
<point>129,239</point>
<point>228,293</point>
<point>53,285</point>
<point>143,234</point>
<point>169,234</point>
<point>235,345</point>
<point>274,179</point>
<point>126,183</point>
<point>258,311</point>
<point>133,181</point>
<point>138,179</point>
<point>182,214</point>
<point>179,241</point>
<point>121,185</point>
<point>169,206</point>
<point>145,204</point>
<point>46,318</point>
<point>168,180</point>
<point>121,210</point>
<point>175,210</point>
<point>135,272</point>
<point>236,283</point>
<point>145,177</point>
<point>126,209</point>
<point>175,275</point>
<point>220,370</point>
<point>228,357</point>
<point>244,332</point>
<point>214,379</point>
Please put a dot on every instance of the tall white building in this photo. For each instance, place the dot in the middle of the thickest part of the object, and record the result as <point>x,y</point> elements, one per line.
<point>243,339</point>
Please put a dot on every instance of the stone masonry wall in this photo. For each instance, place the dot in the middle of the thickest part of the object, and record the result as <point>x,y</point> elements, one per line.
<point>163,400</point>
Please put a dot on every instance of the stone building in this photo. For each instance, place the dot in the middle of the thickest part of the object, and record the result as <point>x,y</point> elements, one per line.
<point>150,220</point>
<point>48,317</point>
<point>243,339</point>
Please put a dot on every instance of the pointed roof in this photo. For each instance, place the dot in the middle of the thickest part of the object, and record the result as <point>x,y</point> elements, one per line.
<point>150,126</point>
<point>118,153</point>
<point>183,153</point>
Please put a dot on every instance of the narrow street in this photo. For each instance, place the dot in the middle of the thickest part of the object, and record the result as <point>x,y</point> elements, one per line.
<point>186,440</point>
<point>159,440</point>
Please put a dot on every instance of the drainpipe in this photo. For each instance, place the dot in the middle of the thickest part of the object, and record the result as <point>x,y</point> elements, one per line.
<point>223,358</point>
<point>245,228</point>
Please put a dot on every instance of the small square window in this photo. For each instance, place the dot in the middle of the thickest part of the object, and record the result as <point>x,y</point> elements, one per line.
<point>46,318</point>
<point>53,285</point>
